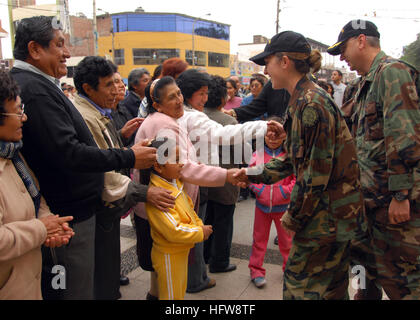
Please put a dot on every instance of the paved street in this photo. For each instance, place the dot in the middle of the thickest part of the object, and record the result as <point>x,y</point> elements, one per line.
<point>234,285</point>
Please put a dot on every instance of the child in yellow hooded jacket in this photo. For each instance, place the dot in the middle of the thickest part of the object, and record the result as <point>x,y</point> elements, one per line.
<point>175,231</point>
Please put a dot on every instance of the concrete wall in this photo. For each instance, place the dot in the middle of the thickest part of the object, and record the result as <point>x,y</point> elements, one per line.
<point>81,40</point>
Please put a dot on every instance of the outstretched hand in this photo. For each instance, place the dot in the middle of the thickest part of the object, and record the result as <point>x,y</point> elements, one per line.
<point>275,130</point>
<point>130,127</point>
<point>240,178</point>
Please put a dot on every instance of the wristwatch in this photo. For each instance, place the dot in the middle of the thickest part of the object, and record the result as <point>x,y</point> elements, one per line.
<point>400,196</point>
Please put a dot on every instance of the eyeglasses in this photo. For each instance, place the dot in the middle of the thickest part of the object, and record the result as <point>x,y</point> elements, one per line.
<point>20,114</point>
<point>343,46</point>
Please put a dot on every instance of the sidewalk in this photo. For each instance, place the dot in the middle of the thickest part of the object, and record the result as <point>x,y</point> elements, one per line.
<point>234,285</point>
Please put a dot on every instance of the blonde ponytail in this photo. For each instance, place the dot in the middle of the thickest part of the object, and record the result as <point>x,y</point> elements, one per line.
<point>304,62</point>
<point>315,61</point>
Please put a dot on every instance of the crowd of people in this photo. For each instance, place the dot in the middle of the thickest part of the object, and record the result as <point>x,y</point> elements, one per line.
<point>336,168</point>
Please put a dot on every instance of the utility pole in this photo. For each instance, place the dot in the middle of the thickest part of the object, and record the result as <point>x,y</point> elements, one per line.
<point>113,42</point>
<point>278,16</point>
<point>64,17</point>
<point>12,25</point>
<point>95,31</point>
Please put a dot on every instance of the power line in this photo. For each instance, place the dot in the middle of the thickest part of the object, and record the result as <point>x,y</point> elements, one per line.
<point>376,13</point>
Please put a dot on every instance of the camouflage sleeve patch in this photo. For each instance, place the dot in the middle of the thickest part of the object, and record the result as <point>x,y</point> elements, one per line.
<point>310,117</point>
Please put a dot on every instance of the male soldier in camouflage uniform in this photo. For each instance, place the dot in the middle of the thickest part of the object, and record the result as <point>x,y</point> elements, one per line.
<point>351,89</point>
<point>347,109</point>
<point>326,207</point>
<point>386,127</point>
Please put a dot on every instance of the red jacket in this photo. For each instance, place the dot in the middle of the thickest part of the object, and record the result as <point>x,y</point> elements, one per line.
<point>275,197</point>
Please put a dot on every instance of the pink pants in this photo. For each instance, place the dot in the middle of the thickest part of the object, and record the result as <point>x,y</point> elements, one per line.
<point>262,225</point>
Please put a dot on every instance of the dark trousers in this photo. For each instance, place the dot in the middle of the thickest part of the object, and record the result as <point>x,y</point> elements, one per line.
<point>197,269</point>
<point>217,247</point>
<point>107,258</point>
<point>396,249</point>
<point>78,260</point>
<point>144,243</point>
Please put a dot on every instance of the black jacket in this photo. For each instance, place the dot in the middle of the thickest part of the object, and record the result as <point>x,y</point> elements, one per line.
<point>274,102</point>
<point>120,116</point>
<point>61,151</point>
<point>132,103</point>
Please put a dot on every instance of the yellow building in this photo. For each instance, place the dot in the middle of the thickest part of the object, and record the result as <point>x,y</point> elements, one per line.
<point>145,40</point>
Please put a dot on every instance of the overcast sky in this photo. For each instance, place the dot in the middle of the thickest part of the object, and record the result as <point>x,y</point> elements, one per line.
<point>322,20</point>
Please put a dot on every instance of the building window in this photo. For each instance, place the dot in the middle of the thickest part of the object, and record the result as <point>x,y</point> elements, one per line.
<point>153,56</point>
<point>118,25</point>
<point>119,57</point>
<point>212,30</point>
<point>218,60</point>
<point>200,58</point>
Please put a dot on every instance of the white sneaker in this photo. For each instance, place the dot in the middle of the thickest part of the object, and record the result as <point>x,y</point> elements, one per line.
<point>259,282</point>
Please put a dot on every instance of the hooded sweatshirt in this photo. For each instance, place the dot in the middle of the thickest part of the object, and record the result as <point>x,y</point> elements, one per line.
<point>275,197</point>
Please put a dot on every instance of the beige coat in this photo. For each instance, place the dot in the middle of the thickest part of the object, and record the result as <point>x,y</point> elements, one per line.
<point>115,184</point>
<point>21,237</point>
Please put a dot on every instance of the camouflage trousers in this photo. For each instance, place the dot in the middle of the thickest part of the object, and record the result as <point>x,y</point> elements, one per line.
<point>317,273</point>
<point>391,257</point>
<point>361,253</point>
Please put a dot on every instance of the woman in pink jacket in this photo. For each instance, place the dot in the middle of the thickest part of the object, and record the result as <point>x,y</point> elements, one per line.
<point>168,106</point>
<point>272,201</point>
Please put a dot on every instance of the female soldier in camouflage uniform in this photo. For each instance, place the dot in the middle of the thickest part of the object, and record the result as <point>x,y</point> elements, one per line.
<point>326,209</point>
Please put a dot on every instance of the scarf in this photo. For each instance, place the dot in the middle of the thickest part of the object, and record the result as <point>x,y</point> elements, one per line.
<point>10,150</point>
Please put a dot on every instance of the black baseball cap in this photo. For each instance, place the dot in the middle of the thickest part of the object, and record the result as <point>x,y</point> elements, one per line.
<point>353,29</point>
<point>286,41</point>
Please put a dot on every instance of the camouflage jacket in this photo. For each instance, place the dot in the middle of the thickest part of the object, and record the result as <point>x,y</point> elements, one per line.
<point>351,89</point>
<point>326,202</point>
<point>386,127</point>
<point>348,109</point>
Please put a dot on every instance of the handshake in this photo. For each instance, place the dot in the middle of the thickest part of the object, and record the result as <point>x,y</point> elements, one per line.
<point>58,231</point>
<point>237,177</point>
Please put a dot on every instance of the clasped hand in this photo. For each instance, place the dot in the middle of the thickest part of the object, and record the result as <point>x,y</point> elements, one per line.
<point>237,177</point>
<point>58,231</point>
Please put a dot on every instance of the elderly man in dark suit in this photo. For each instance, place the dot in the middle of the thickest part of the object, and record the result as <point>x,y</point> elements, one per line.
<point>60,149</point>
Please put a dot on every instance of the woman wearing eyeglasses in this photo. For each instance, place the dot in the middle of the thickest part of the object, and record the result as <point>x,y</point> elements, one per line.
<point>26,222</point>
